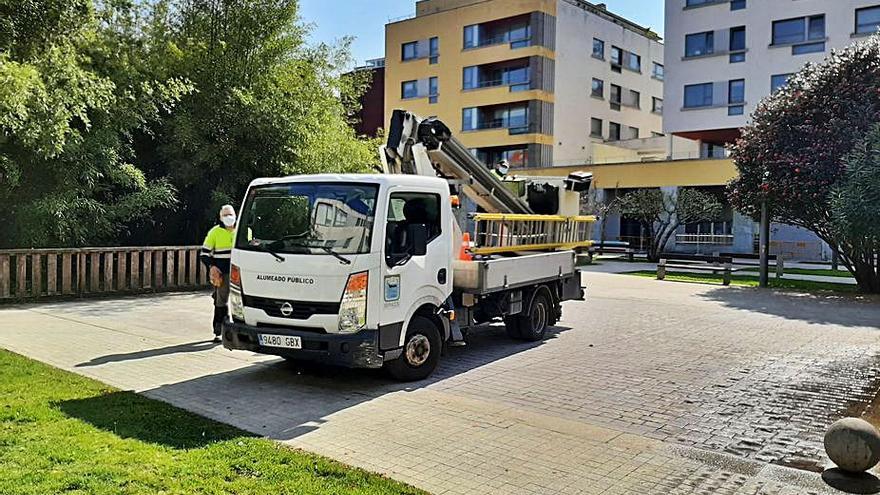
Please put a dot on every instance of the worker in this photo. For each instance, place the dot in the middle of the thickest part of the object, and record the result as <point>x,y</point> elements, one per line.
<point>501,168</point>
<point>216,254</point>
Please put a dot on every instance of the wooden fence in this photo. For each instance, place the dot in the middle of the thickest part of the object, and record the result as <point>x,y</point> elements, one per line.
<point>37,273</point>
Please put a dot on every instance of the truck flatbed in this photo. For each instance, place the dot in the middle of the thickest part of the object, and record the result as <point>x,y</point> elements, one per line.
<point>486,276</point>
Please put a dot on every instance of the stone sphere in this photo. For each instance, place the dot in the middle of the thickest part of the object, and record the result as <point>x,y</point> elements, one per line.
<point>853,444</point>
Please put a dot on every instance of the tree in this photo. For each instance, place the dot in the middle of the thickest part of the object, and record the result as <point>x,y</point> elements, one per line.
<point>265,104</point>
<point>794,152</point>
<point>855,205</point>
<point>661,214</point>
<point>65,127</point>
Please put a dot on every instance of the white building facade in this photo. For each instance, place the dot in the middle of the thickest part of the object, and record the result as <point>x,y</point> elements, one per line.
<point>608,88</point>
<point>724,56</point>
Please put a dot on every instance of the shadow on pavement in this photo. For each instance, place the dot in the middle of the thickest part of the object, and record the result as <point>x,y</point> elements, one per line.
<point>129,415</point>
<point>161,351</point>
<point>282,401</point>
<point>845,310</point>
<point>862,483</point>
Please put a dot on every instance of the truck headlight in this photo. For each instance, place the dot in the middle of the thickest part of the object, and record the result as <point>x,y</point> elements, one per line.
<point>353,310</point>
<point>236,305</point>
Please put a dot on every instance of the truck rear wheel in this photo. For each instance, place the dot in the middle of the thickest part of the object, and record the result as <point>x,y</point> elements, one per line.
<point>533,324</point>
<point>421,351</point>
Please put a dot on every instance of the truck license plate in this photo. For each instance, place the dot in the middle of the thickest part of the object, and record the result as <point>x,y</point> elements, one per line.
<point>286,341</point>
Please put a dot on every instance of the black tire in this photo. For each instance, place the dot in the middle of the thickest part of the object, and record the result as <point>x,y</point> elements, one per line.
<point>533,324</point>
<point>421,351</point>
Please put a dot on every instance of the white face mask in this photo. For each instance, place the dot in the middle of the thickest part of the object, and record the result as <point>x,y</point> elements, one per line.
<point>228,220</point>
<point>503,170</point>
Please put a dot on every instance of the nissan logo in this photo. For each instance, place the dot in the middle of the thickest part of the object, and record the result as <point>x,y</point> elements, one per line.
<point>286,309</point>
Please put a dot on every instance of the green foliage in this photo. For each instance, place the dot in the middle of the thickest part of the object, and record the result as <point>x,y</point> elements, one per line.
<point>794,153</point>
<point>855,200</point>
<point>663,213</point>
<point>63,433</point>
<point>133,122</point>
<point>66,122</point>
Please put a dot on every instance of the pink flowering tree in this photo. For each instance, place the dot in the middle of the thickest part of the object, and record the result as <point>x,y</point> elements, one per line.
<point>795,152</point>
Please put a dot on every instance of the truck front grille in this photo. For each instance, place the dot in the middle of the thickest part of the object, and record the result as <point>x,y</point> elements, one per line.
<point>300,310</point>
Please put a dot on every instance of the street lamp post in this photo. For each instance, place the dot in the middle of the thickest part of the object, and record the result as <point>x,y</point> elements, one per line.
<point>764,246</point>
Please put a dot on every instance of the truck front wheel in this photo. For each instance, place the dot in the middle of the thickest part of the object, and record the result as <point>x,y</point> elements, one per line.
<point>421,351</point>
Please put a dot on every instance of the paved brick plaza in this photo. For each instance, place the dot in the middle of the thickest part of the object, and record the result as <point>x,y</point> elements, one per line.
<point>648,387</point>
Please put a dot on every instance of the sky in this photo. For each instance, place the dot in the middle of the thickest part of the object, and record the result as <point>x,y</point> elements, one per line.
<point>365,20</point>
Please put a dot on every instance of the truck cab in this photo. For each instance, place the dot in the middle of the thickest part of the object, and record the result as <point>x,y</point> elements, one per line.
<point>353,270</point>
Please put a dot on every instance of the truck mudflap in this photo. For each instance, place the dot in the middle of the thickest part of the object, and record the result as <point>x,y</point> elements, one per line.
<point>356,350</point>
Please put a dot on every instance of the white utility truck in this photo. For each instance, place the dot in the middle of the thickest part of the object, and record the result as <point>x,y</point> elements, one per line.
<point>370,270</point>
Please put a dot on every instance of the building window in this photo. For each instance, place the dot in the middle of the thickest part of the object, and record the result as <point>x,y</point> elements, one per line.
<point>635,99</point>
<point>736,96</point>
<point>799,30</point>
<point>598,89</point>
<point>656,105</point>
<point>434,48</point>
<point>698,95</point>
<point>616,56</point>
<point>808,48</point>
<point>616,93</point>
<point>867,20</point>
<point>737,4</point>
<point>471,36</point>
<point>657,72</point>
<point>634,62</point>
<point>433,90</point>
<point>613,131</point>
<point>598,48</point>
<point>470,77</point>
<point>737,44</point>
<point>409,89</point>
<point>699,44</point>
<point>632,133</point>
<point>468,119</point>
<point>596,128</point>
<point>778,80</point>
<point>410,50</point>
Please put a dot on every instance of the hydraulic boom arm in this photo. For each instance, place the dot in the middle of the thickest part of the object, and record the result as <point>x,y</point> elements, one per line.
<point>427,147</point>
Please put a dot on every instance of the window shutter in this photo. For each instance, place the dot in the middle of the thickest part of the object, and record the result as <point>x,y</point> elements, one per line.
<point>422,85</point>
<point>722,41</point>
<point>719,93</point>
<point>423,49</point>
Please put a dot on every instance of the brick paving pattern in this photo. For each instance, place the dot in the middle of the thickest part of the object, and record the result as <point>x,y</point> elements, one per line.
<point>646,388</point>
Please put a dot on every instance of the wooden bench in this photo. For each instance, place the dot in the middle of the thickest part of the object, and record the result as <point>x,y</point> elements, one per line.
<point>714,264</point>
<point>612,247</point>
<point>776,260</point>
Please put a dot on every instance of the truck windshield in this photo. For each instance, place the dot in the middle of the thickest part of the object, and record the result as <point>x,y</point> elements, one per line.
<point>308,218</point>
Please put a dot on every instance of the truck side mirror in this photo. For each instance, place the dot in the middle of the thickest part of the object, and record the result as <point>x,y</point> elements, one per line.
<point>417,233</point>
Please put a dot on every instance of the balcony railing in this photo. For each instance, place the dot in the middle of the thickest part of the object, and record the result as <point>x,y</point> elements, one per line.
<point>498,40</point>
<point>713,239</point>
<point>514,85</point>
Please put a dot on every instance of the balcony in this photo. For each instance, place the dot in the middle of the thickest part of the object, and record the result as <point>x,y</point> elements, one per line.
<point>514,118</point>
<point>515,30</point>
<point>515,74</point>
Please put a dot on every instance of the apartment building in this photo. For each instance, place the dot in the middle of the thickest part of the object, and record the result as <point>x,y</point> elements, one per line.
<point>724,56</point>
<point>536,82</point>
<point>371,116</point>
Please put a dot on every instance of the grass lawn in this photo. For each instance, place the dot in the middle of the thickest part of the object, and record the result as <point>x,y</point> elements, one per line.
<point>806,271</point>
<point>63,433</point>
<point>750,281</point>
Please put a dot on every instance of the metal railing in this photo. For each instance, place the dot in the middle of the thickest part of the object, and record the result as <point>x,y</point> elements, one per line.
<point>36,273</point>
<point>713,239</point>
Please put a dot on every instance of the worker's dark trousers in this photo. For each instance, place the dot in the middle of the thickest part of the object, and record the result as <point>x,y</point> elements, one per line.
<point>221,299</point>
<point>220,313</point>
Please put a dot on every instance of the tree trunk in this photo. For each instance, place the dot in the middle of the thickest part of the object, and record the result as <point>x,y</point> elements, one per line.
<point>866,276</point>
